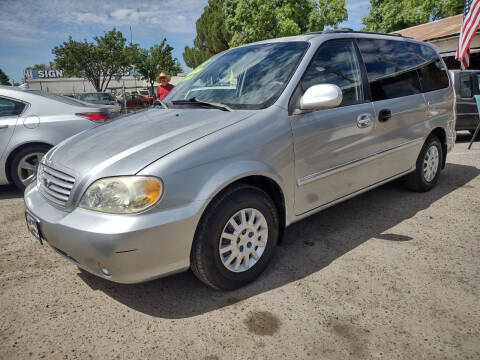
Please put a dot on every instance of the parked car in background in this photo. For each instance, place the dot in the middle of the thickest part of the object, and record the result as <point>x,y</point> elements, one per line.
<point>102,98</point>
<point>33,121</point>
<point>466,85</point>
<point>209,182</point>
<point>135,100</point>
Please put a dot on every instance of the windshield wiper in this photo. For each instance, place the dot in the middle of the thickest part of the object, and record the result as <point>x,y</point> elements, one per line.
<point>159,102</point>
<point>194,100</point>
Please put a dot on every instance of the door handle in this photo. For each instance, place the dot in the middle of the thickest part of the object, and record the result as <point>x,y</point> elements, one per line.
<point>384,115</point>
<point>364,121</point>
<point>3,127</point>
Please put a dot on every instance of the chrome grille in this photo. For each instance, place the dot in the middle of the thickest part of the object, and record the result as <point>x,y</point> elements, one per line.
<point>55,185</point>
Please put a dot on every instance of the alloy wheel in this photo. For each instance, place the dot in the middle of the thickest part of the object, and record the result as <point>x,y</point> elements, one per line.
<point>430,163</point>
<point>243,240</point>
<point>27,167</point>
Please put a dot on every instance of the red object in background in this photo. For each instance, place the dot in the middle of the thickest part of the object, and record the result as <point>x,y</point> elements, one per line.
<point>138,100</point>
<point>162,91</point>
<point>94,116</point>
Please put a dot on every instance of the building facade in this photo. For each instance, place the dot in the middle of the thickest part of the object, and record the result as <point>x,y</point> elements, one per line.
<point>444,34</point>
<point>54,81</point>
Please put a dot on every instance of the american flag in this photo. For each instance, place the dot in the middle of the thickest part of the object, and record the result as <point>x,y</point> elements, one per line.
<point>471,20</point>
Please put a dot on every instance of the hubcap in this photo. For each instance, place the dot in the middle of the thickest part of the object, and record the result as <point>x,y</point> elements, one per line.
<point>430,163</point>
<point>243,240</point>
<point>27,167</point>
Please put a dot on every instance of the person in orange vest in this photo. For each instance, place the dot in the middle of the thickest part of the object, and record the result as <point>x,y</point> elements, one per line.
<point>164,88</point>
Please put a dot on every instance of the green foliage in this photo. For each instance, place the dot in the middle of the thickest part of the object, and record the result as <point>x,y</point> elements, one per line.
<point>212,35</point>
<point>4,80</point>
<point>37,67</point>
<point>392,15</point>
<point>150,63</point>
<point>253,20</point>
<point>99,62</point>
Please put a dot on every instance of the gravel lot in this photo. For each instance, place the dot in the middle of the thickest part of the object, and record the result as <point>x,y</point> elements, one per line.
<point>389,274</point>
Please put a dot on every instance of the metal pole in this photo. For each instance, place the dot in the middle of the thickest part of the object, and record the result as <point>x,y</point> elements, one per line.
<point>124,98</point>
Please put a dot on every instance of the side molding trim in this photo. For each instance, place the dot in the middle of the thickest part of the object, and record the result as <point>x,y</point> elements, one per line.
<point>349,164</point>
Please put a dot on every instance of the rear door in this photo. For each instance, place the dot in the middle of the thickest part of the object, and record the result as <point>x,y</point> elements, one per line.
<point>399,105</point>
<point>10,109</point>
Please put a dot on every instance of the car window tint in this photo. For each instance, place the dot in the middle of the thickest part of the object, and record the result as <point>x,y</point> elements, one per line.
<point>432,70</point>
<point>465,85</point>
<point>336,63</point>
<point>10,107</point>
<point>391,68</point>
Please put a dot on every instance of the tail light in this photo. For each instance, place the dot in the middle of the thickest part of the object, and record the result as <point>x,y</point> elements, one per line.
<point>94,116</point>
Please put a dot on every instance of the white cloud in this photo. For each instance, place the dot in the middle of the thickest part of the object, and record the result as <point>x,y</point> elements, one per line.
<point>42,17</point>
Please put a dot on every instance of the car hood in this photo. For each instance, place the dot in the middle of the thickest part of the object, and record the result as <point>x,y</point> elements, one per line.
<point>127,145</point>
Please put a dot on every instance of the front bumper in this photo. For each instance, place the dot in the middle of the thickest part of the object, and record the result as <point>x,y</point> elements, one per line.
<point>133,248</point>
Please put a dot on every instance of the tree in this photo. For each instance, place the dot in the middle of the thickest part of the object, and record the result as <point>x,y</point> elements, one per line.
<point>392,15</point>
<point>4,80</point>
<point>212,35</point>
<point>253,20</point>
<point>41,66</point>
<point>150,63</point>
<point>109,57</point>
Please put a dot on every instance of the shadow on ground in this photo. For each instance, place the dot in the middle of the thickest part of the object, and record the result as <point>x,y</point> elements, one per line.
<point>10,192</point>
<point>308,246</point>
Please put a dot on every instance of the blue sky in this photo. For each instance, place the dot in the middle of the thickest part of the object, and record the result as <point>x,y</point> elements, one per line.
<point>29,29</point>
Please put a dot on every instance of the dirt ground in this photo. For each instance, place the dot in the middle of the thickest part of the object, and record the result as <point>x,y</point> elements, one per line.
<point>390,274</point>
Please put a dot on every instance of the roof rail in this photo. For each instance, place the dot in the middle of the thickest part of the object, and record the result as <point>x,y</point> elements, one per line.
<point>348,30</point>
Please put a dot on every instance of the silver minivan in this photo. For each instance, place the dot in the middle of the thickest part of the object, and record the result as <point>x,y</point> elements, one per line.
<point>253,140</point>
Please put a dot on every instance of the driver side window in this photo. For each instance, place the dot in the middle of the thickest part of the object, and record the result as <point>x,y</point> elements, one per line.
<point>336,63</point>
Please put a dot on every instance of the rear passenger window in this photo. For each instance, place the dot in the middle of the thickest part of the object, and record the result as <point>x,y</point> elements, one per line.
<point>10,107</point>
<point>432,70</point>
<point>465,85</point>
<point>391,69</point>
<point>336,63</point>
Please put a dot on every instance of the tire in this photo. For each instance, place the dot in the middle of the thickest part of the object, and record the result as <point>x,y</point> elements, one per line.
<point>145,104</point>
<point>206,261</point>
<point>32,156</point>
<point>422,180</point>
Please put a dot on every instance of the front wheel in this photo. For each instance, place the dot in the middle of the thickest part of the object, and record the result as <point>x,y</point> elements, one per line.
<point>428,166</point>
<point>235,238</point>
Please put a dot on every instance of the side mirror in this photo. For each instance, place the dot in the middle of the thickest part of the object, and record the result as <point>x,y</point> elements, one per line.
<point>322,96</point>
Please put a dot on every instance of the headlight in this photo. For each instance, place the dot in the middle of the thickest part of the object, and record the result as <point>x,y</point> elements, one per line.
<point>123,194</point>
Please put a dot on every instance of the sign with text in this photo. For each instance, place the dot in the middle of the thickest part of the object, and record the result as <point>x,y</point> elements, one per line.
<point>44,74</point>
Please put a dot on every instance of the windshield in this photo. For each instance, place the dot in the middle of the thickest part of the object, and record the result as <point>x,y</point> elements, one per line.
<point>95,97</point>
<point>249,77</point>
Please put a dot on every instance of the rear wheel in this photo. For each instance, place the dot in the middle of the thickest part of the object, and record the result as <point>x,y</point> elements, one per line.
<point>235,238</point>
<point>24,165</point>
<point>427,171</point>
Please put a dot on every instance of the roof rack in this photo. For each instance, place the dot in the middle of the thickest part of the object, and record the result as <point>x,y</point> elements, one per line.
<point>348,30</point>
